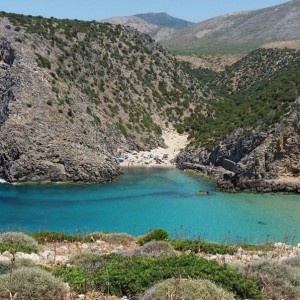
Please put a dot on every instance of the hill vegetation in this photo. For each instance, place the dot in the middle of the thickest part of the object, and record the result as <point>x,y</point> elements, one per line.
<point>257,91</point>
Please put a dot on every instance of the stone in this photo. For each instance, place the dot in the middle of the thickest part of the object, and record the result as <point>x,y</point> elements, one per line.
<point>7,254</point>
<point>85,246</point>
<point>33,256</point>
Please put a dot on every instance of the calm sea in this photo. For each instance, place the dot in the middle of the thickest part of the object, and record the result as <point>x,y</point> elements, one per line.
<point>144,199</point>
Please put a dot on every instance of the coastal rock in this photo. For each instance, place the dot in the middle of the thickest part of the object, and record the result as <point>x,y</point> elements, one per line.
<point>253,160</point>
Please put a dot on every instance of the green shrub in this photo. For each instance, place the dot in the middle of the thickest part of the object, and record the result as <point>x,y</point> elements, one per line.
<point>155,235</point>
<point>6,266</point>
<point>89,261</point>
<point>43,62</point>
<point>133,275</point>
<point>113,238</point>
<point>154,249</point>
<point>187,289</point>
<point>32,283</point>
<point>18,242</point>
<point>201,246</point>
<point>278,279</point>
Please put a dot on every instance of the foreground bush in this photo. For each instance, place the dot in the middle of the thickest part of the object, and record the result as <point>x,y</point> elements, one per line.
<point>32,283</point>
<point>133,275</point>
<point>155,235</point>
<point>154,249</point>
<point>278,279</point>
<point>187,289</point>
<point>18,242</point>
<point>200,246</point>
<point>6,266</point>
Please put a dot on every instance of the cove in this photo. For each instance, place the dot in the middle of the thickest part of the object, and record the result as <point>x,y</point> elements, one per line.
<point>146,198</point>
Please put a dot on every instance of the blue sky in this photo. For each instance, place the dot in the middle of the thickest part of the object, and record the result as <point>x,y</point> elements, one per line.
<point>192,10</point>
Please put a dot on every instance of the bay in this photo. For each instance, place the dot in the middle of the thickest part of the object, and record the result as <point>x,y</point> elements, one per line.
<point>146,198</point>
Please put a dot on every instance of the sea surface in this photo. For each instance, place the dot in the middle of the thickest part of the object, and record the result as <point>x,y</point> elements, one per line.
<point>144,199</point>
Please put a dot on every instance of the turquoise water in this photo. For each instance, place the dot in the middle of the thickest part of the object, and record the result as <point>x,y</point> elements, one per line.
<point>144,199</point>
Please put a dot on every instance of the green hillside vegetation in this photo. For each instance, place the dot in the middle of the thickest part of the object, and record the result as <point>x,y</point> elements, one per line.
<point>256,92</point>
<point>124,78</point>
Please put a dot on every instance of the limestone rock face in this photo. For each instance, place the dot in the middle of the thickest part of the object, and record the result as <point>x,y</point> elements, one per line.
<point>38,143</point>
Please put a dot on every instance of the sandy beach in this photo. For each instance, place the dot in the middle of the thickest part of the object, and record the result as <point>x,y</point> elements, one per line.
<point>158,157</point>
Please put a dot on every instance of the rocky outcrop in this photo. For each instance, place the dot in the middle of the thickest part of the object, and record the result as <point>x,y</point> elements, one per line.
<point>253,160</point>
<point>36,143</point>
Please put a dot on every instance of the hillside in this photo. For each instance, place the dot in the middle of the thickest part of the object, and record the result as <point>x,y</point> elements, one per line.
<point>74,93</point>
<point>158,25</point>
<point>254,131</point>
<point>239,32</point>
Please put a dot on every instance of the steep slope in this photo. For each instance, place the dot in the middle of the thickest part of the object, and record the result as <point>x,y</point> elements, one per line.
<point>254,132</point>
<point>239,32</point>
<point>158,25</point>
<point>73,93</point>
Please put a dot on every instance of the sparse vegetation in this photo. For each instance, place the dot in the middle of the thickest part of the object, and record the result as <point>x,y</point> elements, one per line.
<point>187,289</point>
<point>31,283</point>
<point>278,279</point>
<point>18,242</point>
<point>133,275</point>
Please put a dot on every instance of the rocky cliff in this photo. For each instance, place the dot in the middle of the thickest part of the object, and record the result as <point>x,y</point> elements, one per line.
<point>251,142</point>
<point>73,93</point>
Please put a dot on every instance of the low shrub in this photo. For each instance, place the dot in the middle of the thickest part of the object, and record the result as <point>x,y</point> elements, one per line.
<point>155,235</point>
<point>201,246</point>
<point>277,279</point>
<point>89,261</point>
<point>7,266</point>
<point>52,237</point>
<point>113,238</point>
<point>18,242</point>
<point>133,275</point>
<point>32,283</point>
<point>154,249</point>
<point>187,289</point>
<point>258,247</point>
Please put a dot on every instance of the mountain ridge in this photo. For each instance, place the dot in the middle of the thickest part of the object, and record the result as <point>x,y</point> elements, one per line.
<point>239,32</point>
<point>158,25</point>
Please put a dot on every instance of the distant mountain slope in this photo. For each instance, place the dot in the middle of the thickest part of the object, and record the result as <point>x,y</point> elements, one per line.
<point>239,32</point>
<point>158,25</point>
<point>164,20</point>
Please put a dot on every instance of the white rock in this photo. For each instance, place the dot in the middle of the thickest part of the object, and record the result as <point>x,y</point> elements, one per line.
<point>85,246</point>
<point>81,297</point>
<point>7,254</point>
<point>32,256</point>
<point>255,257</point>
<point>64,249</point>
<point>4,259</point>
